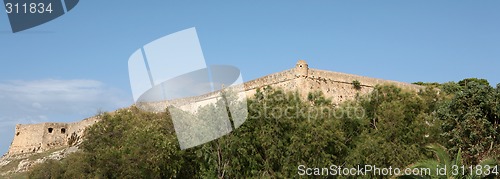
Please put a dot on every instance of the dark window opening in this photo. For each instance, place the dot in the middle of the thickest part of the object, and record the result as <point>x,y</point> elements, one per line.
<point>300,66</point>
<point>50,130</point>
<point>63,131</point>
<point>17,134</point>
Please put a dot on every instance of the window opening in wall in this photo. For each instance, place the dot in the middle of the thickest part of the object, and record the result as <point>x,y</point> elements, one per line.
<point>50,130</point>
<point>63,130</point>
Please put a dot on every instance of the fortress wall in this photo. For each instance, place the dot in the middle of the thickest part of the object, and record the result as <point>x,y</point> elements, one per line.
<point>152,106</point>
<point>187,104</point>
<point>337,91</point>
<point>194,106</point>
<point>32,138</point>
<point>188,100</point>
<point>334,85</point>
<point>339,87</point>
<point>77,130</point>
<point>54,135</point>
<point>270,80</point>
<point>27,139</point>
<point>365,81</point>
<point>192,103</point>
<point>79,127</point>
<point>285,80</point>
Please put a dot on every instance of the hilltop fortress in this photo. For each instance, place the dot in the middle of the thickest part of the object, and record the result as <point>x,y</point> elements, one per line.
<point>340,87</point>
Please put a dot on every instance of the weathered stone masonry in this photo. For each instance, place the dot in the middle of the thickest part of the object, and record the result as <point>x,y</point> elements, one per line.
<point>32,138</point>
<point>337,86</point>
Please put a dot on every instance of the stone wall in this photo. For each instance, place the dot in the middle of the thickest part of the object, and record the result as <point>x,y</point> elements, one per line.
<point>337,86</point>
<point>28,138</point>
<point>340,87</point>
<point>33,138</point>
<point>272,79</point>
<point>365,81</point>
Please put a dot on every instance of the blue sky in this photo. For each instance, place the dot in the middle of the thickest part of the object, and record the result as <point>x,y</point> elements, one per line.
<point>69,68</point>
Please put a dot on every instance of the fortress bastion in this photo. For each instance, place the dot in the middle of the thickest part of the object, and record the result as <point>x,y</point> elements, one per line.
<point>32,138</point>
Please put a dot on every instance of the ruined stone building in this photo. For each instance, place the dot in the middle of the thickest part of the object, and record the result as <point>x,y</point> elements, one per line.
<point>33,138</point>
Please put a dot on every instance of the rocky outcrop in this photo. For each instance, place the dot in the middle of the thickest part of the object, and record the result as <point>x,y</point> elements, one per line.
<point>24,162</point>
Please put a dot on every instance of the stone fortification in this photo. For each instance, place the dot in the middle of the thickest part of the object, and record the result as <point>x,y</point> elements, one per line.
<point>337,86</point>
<point>35,138</point>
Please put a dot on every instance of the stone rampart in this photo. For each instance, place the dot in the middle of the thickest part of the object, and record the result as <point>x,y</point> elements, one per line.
<point>33,138</point>
<point>337,86</point>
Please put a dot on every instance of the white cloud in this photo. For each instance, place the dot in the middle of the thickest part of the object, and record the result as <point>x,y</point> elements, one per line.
<point>28,102</point>
<point>38,101</point>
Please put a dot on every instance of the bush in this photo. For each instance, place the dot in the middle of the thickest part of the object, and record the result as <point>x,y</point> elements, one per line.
<point>50,169</point>
<point>392,131</point>
<point>356,84</point>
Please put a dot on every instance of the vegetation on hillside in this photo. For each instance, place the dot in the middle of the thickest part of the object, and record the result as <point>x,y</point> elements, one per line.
<point>444,166</point>
<point>389,127</point>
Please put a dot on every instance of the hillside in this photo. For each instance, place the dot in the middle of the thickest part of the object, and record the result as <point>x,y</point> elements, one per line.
<point>388,127</point>
<point>298,117</point>
<point>339,87</point>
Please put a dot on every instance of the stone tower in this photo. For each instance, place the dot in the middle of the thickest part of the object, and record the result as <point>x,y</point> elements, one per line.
<point>301,69</point>
<point>301,72</point>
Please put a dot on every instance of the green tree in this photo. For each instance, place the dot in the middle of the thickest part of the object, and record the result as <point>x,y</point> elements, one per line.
<point>478,81</point>
<point>388,128</point>
<point>470,121</point>
<point>397,123</point>
<point>443,161</point>
<point>51,169</point>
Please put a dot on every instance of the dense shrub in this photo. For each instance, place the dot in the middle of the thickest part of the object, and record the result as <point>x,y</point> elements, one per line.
<point>390,127</point>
